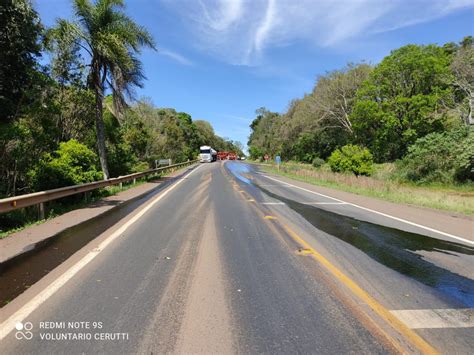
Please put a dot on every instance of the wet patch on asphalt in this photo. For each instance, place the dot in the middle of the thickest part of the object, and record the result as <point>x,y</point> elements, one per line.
<point>393,248</point>
<point>239,171</point>
<point>19,273</point>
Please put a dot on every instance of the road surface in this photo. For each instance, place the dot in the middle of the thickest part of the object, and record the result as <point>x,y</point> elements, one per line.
<point>228,259</point>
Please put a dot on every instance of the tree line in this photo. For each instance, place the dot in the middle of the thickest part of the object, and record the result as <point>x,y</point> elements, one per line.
<point>414,108</point>
<point>68,109</point>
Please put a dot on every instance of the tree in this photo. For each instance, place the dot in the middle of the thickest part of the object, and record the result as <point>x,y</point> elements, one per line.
<point>19,47</point>
<point>73,163</point>
<point>351,158</point>
<point>264,136</point>
<point>445,157</point>
<point>239,147</point>
<point>112,40</point>
<point>462,67</point>
<point>334,95</point>
<point>402,100</point>
<point>205,132</point>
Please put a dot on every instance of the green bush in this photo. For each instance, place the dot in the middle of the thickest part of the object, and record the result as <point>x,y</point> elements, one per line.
<point>140,167</point>
<point>440,157</point>
<point>318,162</point>
<point>256,153</point>
<point>73,163</point>
<point>351,158</point>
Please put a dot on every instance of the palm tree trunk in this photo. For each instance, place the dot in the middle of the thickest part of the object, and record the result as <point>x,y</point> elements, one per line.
<point>99,126</point>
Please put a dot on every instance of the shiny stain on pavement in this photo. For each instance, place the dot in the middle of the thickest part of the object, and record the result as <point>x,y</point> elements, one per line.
<point>399,250</point>
<point>393,248</point>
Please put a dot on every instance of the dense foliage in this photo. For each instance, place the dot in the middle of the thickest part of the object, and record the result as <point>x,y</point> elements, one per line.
<point>19,48</point>
<point>48,113</point>
<point>351,158</point>
<point>441,157</point>
<point>416,91</point>
<point>73,163</point>
<point>111,41</point>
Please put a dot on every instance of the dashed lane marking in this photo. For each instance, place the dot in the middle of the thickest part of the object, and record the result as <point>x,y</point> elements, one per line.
<point>470,242</point>
<point>397,324</point>
<point>272,203</point>
<point>436,318</point>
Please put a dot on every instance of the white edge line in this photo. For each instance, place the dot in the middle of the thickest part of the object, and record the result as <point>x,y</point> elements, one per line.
<point>9,325</point>
<point>325,203</point>
<point>272,203</point>
<point>379,213</point>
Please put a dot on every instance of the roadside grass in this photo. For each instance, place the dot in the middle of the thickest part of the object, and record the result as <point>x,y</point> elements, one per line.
<point>15,221</point>
<point>452,198</point>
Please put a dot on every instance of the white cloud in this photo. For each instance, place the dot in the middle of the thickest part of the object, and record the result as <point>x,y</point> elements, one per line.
<point>175,56</point>
<point>264,29</point>
<point>240,31</point>
<point>219,15</point>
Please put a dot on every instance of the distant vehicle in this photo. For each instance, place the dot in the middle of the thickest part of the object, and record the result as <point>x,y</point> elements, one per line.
<point>207,154</point>
<point>227,156</point>
<point>242,158</point>
<point>222,155</point>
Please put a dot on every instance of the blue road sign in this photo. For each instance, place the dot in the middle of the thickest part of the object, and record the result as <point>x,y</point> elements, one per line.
<point>278,159</point>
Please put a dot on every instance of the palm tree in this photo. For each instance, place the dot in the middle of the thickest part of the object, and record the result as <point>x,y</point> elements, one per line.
<point>112,40</point>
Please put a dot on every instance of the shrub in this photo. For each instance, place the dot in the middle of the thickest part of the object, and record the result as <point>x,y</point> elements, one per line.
<point>73,163</point>
<point>445,157</point>
<point>351,158</point>
<point>318,162</point>
<point>256,153</point>
<point>140,167</point>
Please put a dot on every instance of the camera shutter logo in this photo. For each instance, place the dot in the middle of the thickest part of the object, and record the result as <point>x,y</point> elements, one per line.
<point>24,330</point>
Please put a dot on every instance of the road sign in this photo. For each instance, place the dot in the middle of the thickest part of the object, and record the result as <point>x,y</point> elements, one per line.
<point>278,159</point>
<point>266,157</point>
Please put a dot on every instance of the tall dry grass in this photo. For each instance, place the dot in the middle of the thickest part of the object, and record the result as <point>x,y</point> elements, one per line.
<point>454,199</point>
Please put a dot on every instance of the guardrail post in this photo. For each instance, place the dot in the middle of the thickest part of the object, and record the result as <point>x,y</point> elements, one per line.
<point>41,211</point>
<point>33,200</point>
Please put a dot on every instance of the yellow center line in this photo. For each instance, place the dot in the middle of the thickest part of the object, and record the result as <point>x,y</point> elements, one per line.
<point>418,341</point>
<point>384,313</point>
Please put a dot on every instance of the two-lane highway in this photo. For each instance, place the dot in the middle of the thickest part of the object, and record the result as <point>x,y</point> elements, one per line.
<point>228,260</point>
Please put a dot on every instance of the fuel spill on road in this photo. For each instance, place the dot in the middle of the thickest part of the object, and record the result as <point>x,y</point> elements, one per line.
<point>20,272</point>
<point>397,249</point>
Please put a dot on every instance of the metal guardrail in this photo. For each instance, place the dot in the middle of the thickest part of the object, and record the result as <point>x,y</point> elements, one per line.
<point>39,198</point>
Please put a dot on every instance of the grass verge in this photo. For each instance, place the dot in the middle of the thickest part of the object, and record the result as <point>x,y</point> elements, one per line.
<point>459,199</point>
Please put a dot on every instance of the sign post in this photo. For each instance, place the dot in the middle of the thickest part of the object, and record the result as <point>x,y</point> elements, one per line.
<point>278,161</point>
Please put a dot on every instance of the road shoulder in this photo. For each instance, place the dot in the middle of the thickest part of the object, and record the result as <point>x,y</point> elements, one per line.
<point>25,240</point>
<point>453,223</point>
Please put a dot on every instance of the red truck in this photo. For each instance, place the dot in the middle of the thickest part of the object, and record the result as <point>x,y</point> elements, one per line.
<point>222,155</point>
<point>226,156</point>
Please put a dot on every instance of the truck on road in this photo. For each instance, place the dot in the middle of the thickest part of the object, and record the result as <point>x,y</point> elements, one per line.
<point>207,154</point>
<point>232,156</point>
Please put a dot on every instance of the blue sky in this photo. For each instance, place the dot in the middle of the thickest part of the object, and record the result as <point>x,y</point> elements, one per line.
<point>220,60</point>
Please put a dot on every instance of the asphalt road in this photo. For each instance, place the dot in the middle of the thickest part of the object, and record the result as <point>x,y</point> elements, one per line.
<point>230,260</point>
